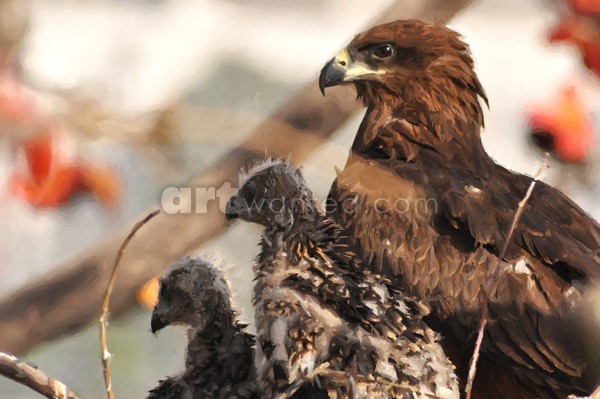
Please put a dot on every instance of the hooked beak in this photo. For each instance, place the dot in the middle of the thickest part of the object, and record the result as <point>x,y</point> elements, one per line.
<point>343,69</point>
<point>157,322</point>
<point>332,74</point>
<point>232,210</point>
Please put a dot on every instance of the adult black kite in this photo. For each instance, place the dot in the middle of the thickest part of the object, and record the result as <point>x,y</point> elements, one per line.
<point>425,205</point>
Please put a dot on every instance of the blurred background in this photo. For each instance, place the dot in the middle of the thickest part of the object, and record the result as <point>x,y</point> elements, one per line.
<point>106,103</point>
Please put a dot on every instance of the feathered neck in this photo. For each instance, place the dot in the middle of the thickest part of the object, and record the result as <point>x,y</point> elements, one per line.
<point>221,329</point>
<point>297,225</point>
<point>310,232</point>
<point>437,117</point>
<point>220,350</point>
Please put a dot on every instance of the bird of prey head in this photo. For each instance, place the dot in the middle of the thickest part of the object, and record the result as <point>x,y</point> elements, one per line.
<point>414,71</point>
<point>193,293</point>
<point>271,193</point>
<point>397,55</point>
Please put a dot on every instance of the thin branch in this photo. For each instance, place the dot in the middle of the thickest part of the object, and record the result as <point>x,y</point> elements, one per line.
<point>595,394</point>
<point>28,375</point>
<point>105,305</point>
<point>494,276</point>
<point>523,202</point>
<point>475,357</point>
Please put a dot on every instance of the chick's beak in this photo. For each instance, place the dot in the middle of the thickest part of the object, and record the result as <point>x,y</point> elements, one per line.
<point>157,322</point>
<point>231,209</point>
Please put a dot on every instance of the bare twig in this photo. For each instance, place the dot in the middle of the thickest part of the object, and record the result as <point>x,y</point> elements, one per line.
<point>523,202</point>
<point>475,357</point>
<point>31,377</point>
<point>594,395</point>
<point>105,304</point>
<point>494,276</point>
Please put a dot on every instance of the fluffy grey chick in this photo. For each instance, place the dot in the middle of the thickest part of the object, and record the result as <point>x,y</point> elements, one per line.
<point>219,360</point>
<point>315,303</point>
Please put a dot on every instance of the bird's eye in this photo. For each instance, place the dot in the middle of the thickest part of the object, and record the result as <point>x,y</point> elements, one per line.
<point>382,51</point>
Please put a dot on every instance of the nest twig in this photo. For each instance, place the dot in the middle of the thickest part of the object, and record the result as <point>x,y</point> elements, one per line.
<point>105,304</point>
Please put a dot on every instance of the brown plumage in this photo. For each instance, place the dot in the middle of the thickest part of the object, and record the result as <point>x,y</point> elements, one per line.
<point>426,206</point>
<point>315,304</point>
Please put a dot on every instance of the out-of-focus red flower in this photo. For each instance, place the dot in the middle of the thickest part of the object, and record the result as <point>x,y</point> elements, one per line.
<point>17,103</point>
<point>50,181</point>
<point>591,7</point>
<point>582,32</point>
<point>563,129</point>
<point>38,152</point>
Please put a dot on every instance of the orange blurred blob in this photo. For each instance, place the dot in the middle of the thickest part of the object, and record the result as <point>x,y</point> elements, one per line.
<point>147,295</point>
<point>102,183</point>
<point>50,181</point>
<point>564,128</point>
<point>582,32</point>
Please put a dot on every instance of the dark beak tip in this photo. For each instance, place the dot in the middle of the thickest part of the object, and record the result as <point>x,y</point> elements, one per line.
<point>322,85</point>
<point>229,216</point>
<point>230,211</point>
<point>157,324</point>
<point>324,75</point>
<point>331,75</point>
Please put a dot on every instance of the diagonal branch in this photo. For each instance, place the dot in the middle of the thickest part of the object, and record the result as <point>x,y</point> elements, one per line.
<point>298,128</point>
<point>31,377</point>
